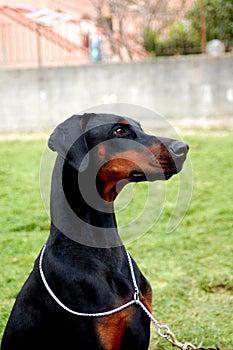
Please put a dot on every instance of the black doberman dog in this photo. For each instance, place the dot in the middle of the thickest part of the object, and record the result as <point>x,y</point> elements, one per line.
<point>85,268</point>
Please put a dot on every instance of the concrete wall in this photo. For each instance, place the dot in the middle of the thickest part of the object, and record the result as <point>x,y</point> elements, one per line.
<point>191,91</point>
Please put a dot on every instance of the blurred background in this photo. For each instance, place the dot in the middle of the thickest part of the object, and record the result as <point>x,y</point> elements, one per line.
<point>60,57</point>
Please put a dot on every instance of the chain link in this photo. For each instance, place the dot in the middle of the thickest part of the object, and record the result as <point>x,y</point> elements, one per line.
<point>172,339</point>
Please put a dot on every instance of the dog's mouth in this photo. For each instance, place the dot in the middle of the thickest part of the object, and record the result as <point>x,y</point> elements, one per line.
<point>139,176</point>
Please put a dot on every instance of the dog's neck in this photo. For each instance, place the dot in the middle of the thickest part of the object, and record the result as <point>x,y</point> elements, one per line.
<point>77,209</point>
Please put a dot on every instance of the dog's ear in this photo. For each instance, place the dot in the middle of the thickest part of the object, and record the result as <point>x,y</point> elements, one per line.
<point>68,140</point>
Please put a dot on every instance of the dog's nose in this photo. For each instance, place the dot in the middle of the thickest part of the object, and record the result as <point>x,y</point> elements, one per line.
<point>178,148</point>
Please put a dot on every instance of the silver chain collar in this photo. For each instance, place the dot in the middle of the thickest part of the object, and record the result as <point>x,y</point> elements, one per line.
<point>163,330</point>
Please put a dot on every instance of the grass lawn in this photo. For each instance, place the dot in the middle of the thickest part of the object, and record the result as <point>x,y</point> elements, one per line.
<point>190,269</point>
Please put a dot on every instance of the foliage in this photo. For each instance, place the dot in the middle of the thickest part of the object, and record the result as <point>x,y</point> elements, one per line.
<point>184,36</point>
<point>190,269</point>
<point>218,17</point>
<point>180,38</point>
<point>150,40</point>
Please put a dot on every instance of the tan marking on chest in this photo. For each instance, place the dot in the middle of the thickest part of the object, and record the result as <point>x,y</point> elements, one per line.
<point>111,329</point>
<point>146,299</point>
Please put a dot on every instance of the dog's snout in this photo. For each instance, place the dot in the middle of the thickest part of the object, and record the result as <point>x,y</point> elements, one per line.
<point>178,148</point>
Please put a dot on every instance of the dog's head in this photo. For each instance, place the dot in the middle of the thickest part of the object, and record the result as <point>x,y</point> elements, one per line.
<point>116,150</point>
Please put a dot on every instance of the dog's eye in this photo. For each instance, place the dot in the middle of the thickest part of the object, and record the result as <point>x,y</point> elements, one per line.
<point>120,131</point>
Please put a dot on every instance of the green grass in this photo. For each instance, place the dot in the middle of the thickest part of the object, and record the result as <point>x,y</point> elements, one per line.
<point>190,269</point>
